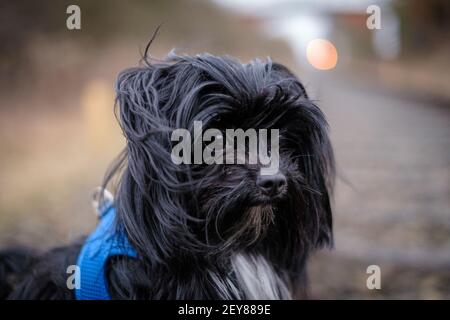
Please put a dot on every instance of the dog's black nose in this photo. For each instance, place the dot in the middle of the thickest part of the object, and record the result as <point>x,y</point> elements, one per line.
<point>272,185</point>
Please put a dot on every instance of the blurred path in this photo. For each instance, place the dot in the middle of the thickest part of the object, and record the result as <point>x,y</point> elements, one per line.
<point>392,202</point>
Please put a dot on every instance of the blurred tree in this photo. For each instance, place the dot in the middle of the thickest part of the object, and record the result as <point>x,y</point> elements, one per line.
<point>425,24</point>
<point>189,24</point>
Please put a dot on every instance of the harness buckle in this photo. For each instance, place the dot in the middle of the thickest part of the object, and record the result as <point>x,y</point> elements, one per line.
<point>101,201</point>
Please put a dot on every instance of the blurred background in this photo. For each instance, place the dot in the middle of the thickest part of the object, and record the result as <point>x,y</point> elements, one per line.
<point>386,94</point>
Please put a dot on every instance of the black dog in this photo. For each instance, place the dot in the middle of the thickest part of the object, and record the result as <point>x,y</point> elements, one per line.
<point>205,231</point>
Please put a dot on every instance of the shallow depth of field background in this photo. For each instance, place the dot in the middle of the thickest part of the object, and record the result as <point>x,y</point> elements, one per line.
<point>387,102</point>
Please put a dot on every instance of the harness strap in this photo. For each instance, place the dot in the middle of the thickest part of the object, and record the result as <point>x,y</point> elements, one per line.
<point>106,241</point>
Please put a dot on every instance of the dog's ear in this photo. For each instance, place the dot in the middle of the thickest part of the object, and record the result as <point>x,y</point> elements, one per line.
<point>310,133</point>
<point>150,204</point>
<point>318,168</point>
<point>138,102</point>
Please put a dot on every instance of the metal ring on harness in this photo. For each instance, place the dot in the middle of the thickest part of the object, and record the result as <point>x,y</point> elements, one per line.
<point>101,200</point>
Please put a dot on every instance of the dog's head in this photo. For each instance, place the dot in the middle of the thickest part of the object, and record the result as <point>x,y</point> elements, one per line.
<point>173,209</point>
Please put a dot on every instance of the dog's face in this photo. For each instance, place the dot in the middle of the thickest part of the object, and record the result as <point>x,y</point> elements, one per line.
<point>240,203</point>
<point>230,205</point>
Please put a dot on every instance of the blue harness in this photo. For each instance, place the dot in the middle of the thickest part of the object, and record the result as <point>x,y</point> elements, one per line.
<point>107,240</point>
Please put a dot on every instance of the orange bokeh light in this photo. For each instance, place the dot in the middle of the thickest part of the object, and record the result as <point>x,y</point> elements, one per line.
<point>321,54</point>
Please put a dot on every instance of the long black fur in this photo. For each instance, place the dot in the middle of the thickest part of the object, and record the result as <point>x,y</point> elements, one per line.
<point>187,221</point>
